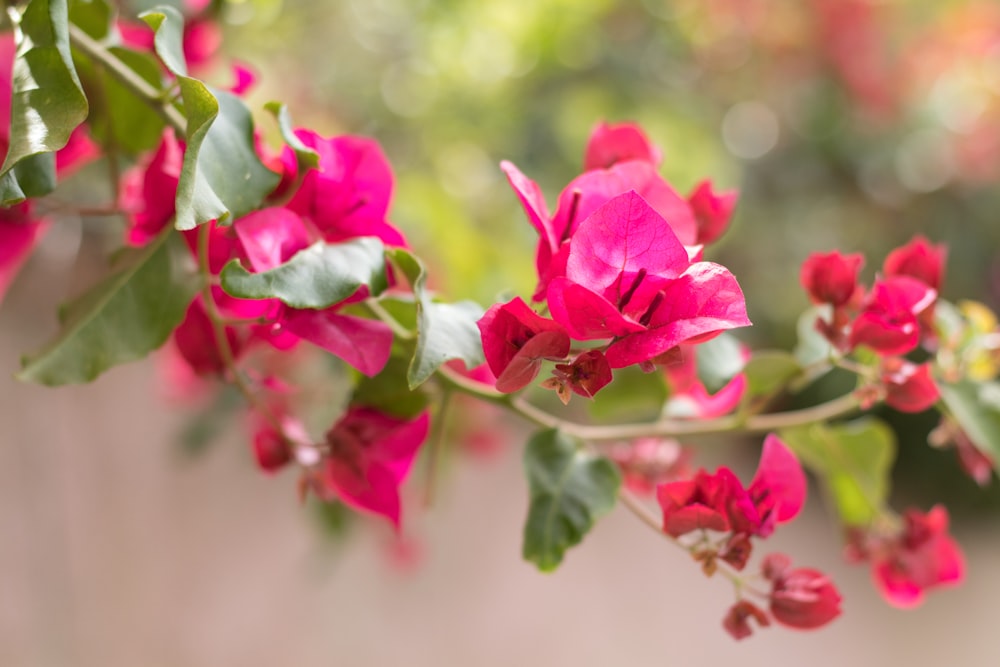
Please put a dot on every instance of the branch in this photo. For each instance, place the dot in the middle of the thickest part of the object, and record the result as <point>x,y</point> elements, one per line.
<point>127,77</point>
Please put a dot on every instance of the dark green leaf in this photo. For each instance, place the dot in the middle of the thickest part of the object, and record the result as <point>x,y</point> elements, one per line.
<point>123,318</point>
<point>569,491</point>
<point>975,407</point>
<point>316,277</point>
<point>445,331</point>
<point>34,176</point>
<point>47,100</point>
<point>120,119</point>
<point>770,371</point>
<point>306,156</point>
<point>719,359</point>
<point>221,178</point>
<point>853,461</point>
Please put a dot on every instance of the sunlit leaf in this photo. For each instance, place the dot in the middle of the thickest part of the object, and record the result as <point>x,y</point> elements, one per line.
<point>222,177</point>
<point>47,101</point>
<point>316,277</point>
<point>445,331</point>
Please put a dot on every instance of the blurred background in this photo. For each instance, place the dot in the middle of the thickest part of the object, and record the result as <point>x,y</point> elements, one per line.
<point>849,124</point>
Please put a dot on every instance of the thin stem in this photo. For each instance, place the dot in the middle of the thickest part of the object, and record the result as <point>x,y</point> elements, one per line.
<point>642,512</point>
<point>837,407</point>
<point>128,78</point>
<point>436,440</point>
<point>398,330</point>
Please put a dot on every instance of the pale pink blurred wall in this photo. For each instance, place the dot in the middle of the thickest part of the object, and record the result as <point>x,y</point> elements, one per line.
<point>114,550</point>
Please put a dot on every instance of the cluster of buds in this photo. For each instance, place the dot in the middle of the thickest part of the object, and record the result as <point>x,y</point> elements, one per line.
<point>619,263</point>
<point>892,318</point>
<point>717,519</point>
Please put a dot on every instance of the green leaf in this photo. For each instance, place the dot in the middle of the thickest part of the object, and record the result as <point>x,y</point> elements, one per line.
<point>221,178</point>
<point>719,360</point>
<point>316,277</point>
<point>975,407</point>
<point>770,371</point>
<point>569,489</point>
<point>123,318</point>
<point>388,391</point>
<point>34,176</point>
<point>853,461</point>
<point>445,331</point>
<point>120,119</point>
<point>306,156</point>
<point>94,17</point>
<point>47,100</point>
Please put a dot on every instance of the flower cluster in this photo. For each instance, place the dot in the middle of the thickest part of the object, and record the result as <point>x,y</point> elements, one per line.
<point>619,264</point>
<point>892,318</point>
<point>909,559</point>
<point>717,518</point>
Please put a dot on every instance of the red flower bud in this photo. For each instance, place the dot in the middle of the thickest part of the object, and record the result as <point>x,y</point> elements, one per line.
<point>831,278</point>
<point>909,387</point>
<point>918,259</point>
<point>804,598</point>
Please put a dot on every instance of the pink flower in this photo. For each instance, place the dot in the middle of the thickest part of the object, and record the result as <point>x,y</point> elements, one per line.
<point>348,195</point>
<point>370,455</point>
<point>648,462</point>
<point>918,259</point>
<point>921,557</point>
<point>720,502</point>
<point>888,320</point>
<point>802,598</point>
<point>712,211</point>
<point>628,278</point>
<point>201,41</point>
<point>149,192</point>
<point>584,195</point>
<point>831,277</point>
<point>909,387</point>
<point>610,144</point>
<point>515,342</point>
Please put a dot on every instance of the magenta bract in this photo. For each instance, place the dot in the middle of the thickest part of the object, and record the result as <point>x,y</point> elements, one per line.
<point>19,233</point>
<point>918,259</point>
<point>831,277</point>
<point>516,340</point>
<point>370,455</point>
<point>712,211</point>
<point>610,144</point>
<point>923,556</point>
<point>804,598</point>
<point>888,320</point>
<point>348,195</point>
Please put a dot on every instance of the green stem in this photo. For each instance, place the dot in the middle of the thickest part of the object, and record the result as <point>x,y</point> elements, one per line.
<point>128,78</point>
<point>837,407</point>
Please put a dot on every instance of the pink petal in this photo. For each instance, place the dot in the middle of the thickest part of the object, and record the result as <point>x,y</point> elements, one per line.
<point>533,201</point>
<point>524,366</point>
<point>595,188</point>
<point>780,475</point>
<point>586,315</point>
<point>364,344</point>
<point>611,144</point>
<point>623,236</point>
<point>271,236</point>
